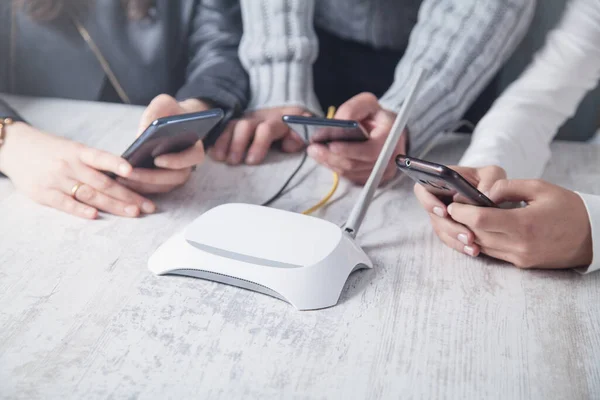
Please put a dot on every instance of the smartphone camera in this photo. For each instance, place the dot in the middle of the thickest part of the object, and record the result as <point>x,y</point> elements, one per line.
<point>407,163</point>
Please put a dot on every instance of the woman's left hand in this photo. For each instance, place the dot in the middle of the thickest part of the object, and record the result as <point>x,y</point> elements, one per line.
<point>173,169</point>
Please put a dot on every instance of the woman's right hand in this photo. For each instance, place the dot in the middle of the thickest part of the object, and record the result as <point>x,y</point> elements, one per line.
<point>452,233</point>
<point>47,168</point>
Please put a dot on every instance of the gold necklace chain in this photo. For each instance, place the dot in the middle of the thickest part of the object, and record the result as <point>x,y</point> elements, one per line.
<point>84,34</point>
<point>102,60</point>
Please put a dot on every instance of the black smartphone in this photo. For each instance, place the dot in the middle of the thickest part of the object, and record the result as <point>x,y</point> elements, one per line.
<point>324,130</point>
<point>443,182</point>
<point>171,135</point>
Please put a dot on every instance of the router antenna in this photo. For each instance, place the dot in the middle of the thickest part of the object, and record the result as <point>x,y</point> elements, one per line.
<point>366,195</point>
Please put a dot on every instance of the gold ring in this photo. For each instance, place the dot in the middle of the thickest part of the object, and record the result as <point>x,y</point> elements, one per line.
<point>75,188</point>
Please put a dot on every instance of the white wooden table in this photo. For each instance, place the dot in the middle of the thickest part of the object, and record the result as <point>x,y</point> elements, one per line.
<point>82,317</point>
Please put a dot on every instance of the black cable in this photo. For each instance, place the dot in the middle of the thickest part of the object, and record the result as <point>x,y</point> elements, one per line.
<point>285,185</point>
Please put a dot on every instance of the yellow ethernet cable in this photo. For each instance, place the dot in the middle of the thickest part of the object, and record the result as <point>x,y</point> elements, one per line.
<point>336,179</point>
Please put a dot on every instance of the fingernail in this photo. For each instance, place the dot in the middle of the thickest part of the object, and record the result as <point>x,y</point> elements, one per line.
<point>90,212</point>
<point>148,207</point>
<point>124,169</point>
<point>132,210</point>
<point>439,212</point>
<point>469,250</point>
<point>312,151</point>
<point>449,209</point>
<point>463,238</point>
<point>251,159</point>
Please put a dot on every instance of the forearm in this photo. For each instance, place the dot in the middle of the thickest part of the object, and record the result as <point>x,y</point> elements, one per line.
<point>592,204</point>
<point>215,73</point>
<point>517,132</point>
<point>462,47</point>
<point>278,49</point>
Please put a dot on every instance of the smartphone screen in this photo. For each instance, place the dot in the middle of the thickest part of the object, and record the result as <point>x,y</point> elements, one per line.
<point>322,130</point>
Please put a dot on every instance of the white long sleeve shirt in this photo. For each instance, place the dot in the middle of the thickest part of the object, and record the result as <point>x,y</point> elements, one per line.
<point>517,132</point>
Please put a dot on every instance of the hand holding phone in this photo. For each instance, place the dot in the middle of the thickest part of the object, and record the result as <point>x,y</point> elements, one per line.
<point>171,135</point>
<point>324,130</point>
<point>443,182</point>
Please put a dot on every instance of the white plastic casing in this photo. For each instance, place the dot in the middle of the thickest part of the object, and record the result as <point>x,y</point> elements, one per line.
<point>297,258</point>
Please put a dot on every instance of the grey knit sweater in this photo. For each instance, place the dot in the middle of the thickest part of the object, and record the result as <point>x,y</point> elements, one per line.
<point>462,44</point>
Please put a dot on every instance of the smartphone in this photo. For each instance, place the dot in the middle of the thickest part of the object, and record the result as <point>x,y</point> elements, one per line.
<point>442,181</point>
<point>171,135</point>
<point>324,130</point>
<point>210,139</point>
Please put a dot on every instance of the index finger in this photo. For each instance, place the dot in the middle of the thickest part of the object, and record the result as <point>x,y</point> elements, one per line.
<point>488,176</point>
<point>429,201</point>
<point>104,161</point>
<point>267,132</point>
<point>221,147</point>
<point>358,107</point>
<point>173,177</point>
<point>103,183</point>
<point>482,218</point>
<point>364,151</point>
<point>161,106</point>
<point>184,159</point>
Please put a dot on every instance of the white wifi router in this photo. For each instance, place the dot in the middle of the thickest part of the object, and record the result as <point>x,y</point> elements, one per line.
<point>297,258</point>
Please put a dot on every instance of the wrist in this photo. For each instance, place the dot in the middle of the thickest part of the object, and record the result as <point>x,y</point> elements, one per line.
<point>585,253</point>
<point>12,134</point>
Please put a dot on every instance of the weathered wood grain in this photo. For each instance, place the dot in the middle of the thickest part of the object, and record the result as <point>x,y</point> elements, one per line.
<point>82,317</point>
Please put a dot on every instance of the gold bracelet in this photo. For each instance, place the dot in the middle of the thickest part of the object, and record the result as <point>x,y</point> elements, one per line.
<point>3,124</point>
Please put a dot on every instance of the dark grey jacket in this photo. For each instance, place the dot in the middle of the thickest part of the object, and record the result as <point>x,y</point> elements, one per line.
<point>187,48</point>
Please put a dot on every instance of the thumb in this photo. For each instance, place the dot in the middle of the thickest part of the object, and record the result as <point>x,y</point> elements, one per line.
<point>359,107</point>
<point>513,191</point>
<point>488,176</point>
<point>161,106</point>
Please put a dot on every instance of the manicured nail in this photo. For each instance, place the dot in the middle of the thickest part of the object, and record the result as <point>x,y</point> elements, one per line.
<point>439,212</point>
<point>132,210</point>
<point>449,209</point>
<point>124,169</point>
<point>463,238</point>
<point>469,250</point>
<point>148,207</point>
